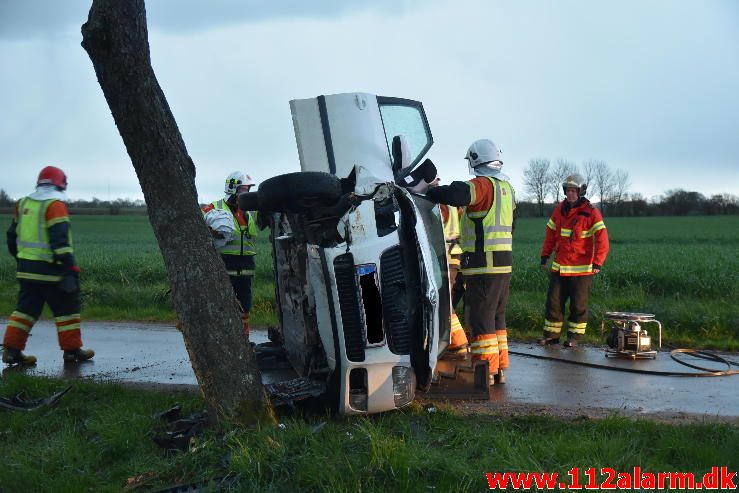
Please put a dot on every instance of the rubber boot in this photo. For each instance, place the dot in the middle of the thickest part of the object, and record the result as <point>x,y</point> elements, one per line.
<point>573,339</point>
<point>548,341</point>
<point>12,356</point>
<point>456,352</point>
<point>78,354</point>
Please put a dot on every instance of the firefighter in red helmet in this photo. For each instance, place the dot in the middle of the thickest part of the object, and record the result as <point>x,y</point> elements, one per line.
<point>40,239</point>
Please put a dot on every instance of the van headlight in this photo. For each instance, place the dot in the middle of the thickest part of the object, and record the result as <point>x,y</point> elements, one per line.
<point>404,385</point>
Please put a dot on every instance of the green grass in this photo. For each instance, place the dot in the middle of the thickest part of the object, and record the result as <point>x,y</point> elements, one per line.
<point>685,270</point>
<point>99,435</point>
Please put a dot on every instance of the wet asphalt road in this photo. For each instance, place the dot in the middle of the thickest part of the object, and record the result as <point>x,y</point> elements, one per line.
<point>155,353</point>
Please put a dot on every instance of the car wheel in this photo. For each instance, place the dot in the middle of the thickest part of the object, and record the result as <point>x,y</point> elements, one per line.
<point>249,201</point>
<point>298,192</point>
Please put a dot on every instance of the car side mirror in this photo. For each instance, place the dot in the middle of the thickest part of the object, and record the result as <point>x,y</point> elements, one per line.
<point>401,154</point>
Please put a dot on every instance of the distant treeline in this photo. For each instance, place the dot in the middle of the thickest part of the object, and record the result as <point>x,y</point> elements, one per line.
<point>672,203</point>
<point>93,206</point>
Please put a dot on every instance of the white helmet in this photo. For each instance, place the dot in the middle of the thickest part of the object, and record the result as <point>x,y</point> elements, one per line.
<point>483,158</point>
<point>235,180</point>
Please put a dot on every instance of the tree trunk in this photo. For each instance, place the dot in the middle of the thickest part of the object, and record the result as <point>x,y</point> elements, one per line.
<point>115,37</point>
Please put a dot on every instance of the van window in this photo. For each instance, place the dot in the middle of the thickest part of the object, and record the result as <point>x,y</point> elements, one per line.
<point>406,117</point>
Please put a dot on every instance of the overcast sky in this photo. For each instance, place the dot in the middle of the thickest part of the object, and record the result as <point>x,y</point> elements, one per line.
<point>649,86</point>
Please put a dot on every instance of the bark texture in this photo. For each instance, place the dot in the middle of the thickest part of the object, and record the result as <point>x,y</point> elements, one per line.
<point>115,37</point>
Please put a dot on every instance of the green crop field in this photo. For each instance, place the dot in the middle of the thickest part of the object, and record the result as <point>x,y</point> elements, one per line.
<point>684,270</point>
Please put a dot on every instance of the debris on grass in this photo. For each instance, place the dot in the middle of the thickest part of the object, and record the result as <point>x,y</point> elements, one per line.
<point>19,403</point>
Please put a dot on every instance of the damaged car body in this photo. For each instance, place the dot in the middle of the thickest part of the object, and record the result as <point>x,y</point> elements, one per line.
<point>359,259</point>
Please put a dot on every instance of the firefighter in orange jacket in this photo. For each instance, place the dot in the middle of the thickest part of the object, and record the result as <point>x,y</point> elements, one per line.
<point>40,239</point>
<point>487,258</point>
<point>577,234</point>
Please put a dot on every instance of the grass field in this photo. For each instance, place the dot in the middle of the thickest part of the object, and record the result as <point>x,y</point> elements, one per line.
<point>683,269</point>
<point>100,434</point>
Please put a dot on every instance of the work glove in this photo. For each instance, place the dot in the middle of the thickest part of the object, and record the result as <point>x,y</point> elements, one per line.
<point>543,265</point>
<point>420,178</point>
<point>596,268</point>
<point>70,282</point>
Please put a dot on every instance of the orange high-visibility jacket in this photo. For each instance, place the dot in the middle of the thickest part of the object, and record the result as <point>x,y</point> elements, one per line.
<point>579,238</point>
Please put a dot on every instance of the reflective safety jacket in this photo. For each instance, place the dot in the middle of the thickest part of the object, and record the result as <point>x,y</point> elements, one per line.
<point>578,237</point>
<point>450,217</point>
<point>487,227</point>
<point>238,254</point>
<point>40,239</point>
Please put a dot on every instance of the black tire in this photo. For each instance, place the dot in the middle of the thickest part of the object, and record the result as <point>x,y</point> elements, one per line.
<point>298,192</point>
<point>249,201</point>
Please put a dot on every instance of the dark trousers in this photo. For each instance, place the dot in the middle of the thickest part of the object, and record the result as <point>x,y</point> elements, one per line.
<point>242,288</point>
<point>31,298</point>
<point>576,289</point>
<point>485,300</point>
<point>457,286</point>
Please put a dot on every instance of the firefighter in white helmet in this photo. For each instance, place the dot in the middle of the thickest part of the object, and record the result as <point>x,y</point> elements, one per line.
<point>235,238</point>
<point>486,242</point>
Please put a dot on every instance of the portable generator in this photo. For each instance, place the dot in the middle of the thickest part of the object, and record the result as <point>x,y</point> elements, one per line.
<point>628,338</point>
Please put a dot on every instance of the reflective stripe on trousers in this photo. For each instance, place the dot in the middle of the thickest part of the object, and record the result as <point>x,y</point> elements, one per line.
<point>458,337</point>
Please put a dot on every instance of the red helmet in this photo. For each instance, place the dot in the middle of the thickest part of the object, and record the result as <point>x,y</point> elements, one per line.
<point>51,175</point>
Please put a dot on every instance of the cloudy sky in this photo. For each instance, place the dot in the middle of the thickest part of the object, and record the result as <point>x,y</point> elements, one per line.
<point>649,86</point>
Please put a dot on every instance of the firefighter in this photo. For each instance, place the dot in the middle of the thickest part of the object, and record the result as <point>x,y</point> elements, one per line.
<point>238,252</point>
<point>40,239</point>
<point>450,218</point>
<point>577,234</point>
<point>487,259</point>
<point>454,251</point>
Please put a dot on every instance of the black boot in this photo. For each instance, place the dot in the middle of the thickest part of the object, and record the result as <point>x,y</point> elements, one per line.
<point>548,341</point>
<point>573,339</point>
<point>78,354</point>
<point>12,356</point>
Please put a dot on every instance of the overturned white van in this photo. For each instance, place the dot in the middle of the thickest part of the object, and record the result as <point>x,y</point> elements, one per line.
<point>359,259</point>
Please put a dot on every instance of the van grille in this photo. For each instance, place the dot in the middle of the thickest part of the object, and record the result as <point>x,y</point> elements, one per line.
<point>346,285</point>
<point>395,301</point>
